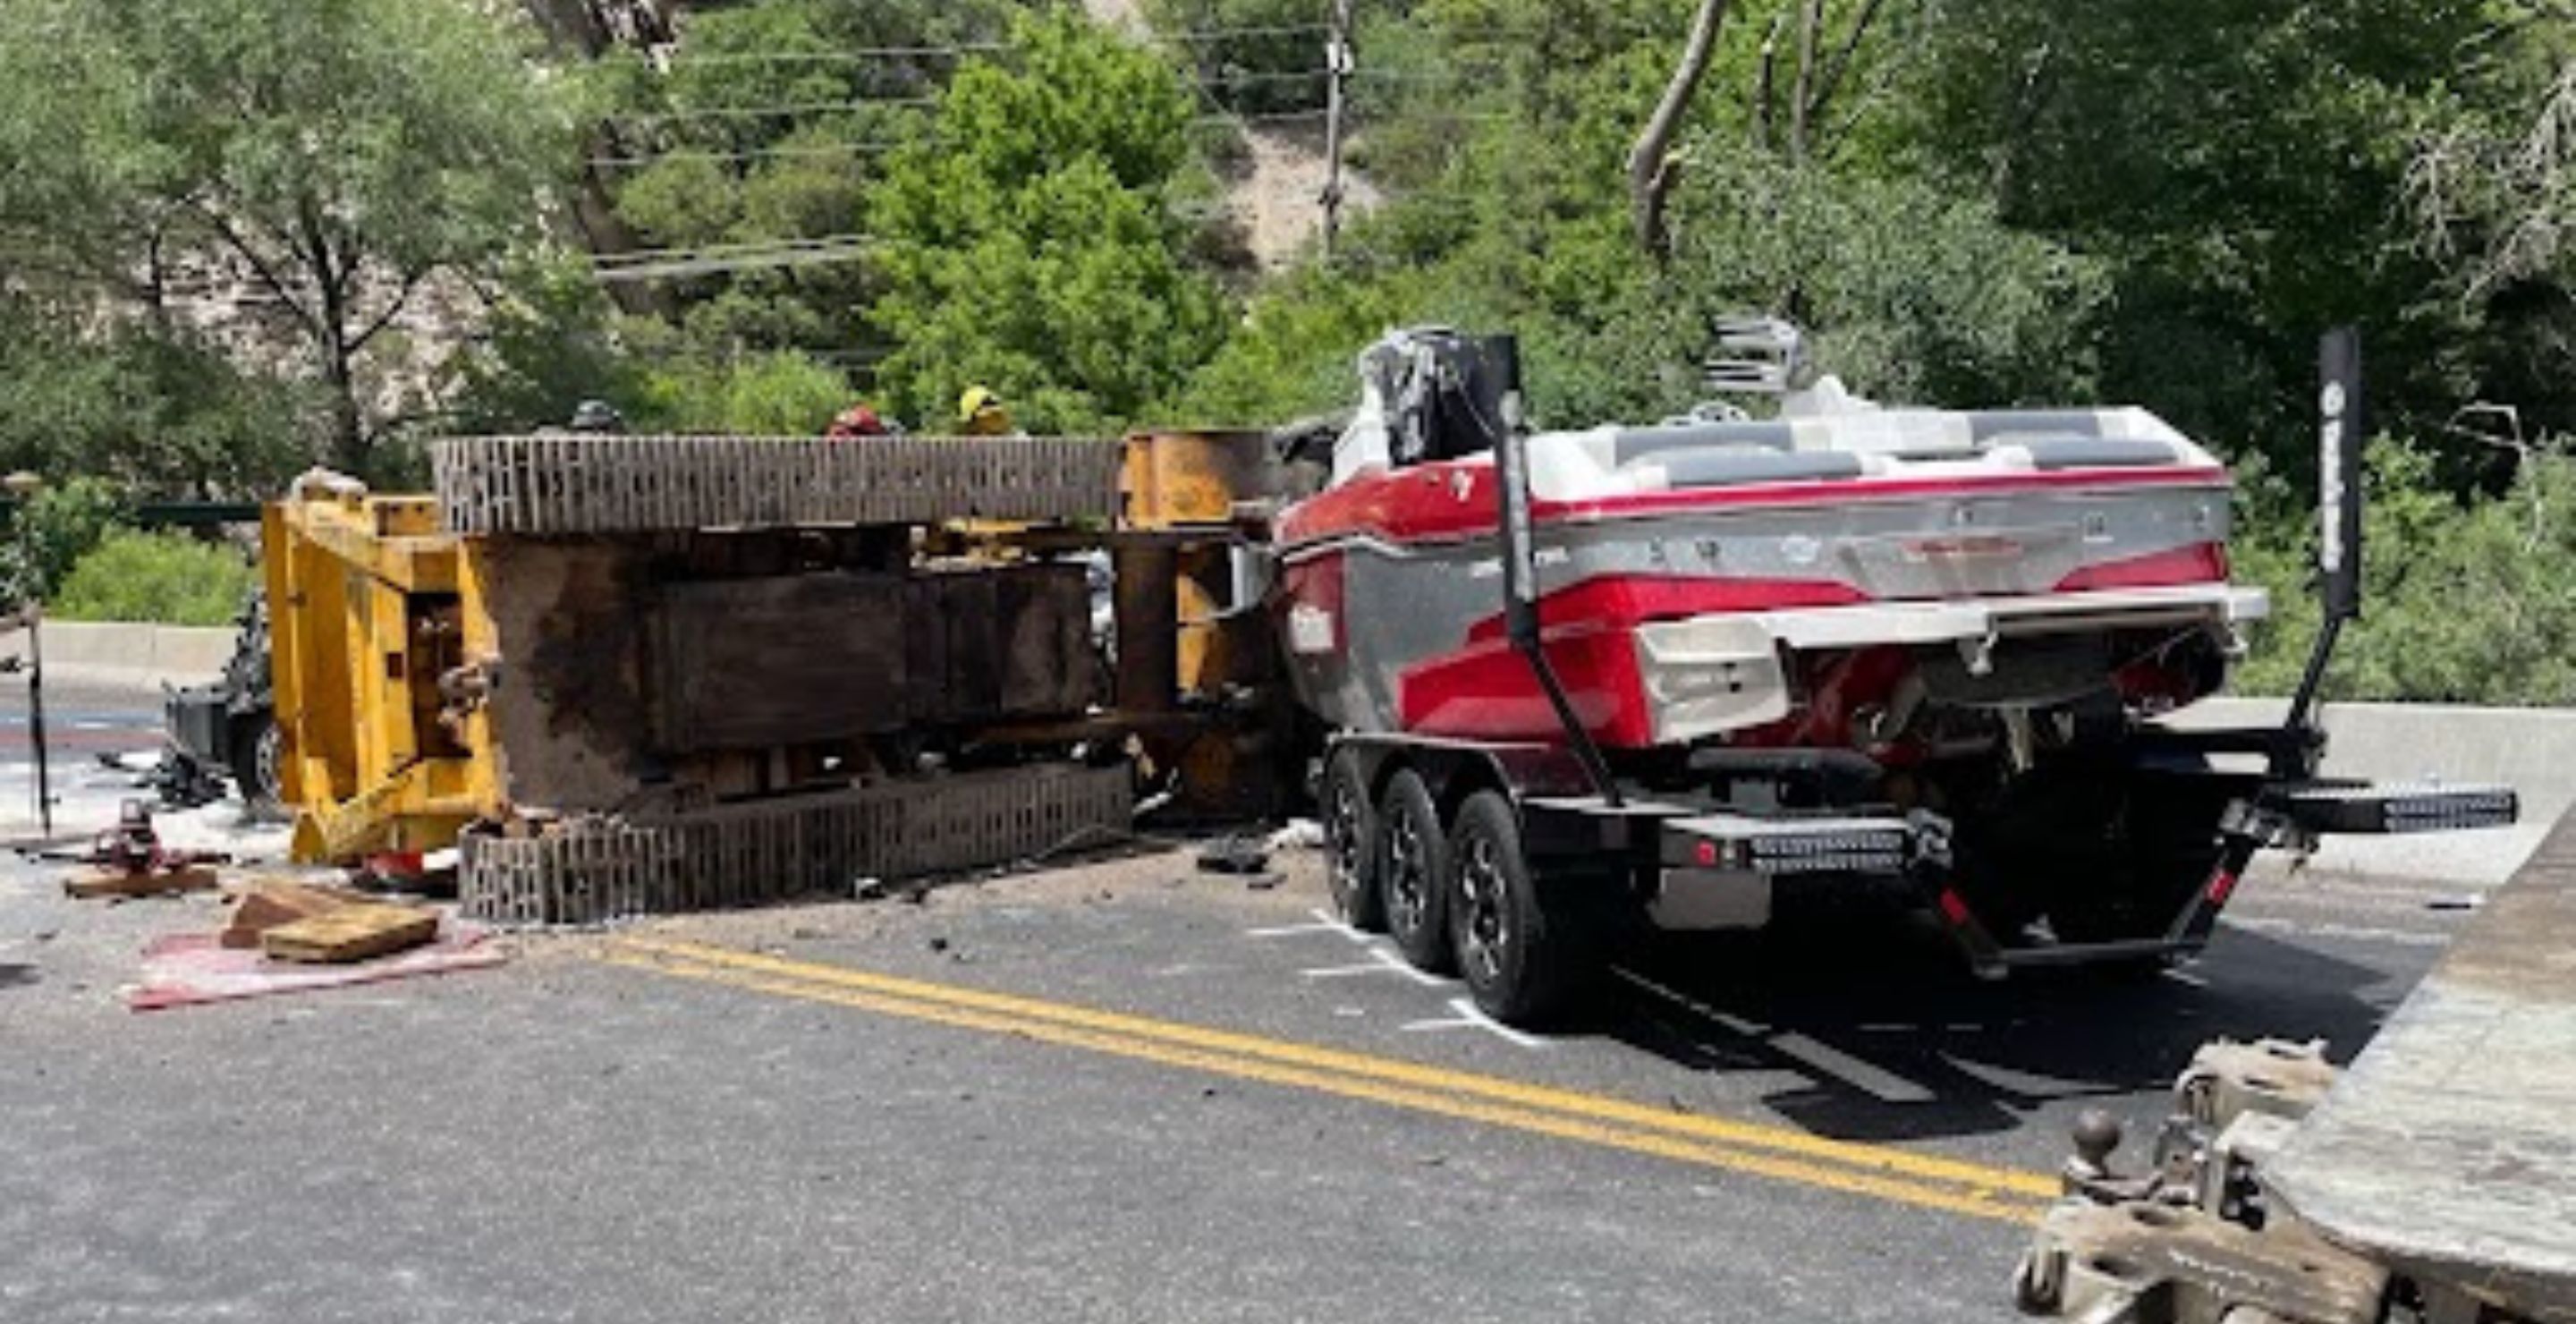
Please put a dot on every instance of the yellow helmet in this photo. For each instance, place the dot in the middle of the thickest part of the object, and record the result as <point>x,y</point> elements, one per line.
<point>976,402</point>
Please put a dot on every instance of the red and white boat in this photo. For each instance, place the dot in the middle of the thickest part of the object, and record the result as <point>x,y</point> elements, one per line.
<point>1687,672</point>
<point>1740,580</point>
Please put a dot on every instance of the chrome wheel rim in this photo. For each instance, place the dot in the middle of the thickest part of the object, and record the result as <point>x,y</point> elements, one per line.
<point>1407,891</point>
<point>1485,927</point>
<point>265,758</point>
<point>1343,827</point>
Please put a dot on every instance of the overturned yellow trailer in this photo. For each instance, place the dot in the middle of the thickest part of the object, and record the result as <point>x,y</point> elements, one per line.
<point>628,675</point>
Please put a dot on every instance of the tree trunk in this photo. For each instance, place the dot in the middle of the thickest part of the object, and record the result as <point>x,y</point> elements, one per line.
<point>331,340</point>
<point>1651,166</point>
<point>1802,103</point>
<point>348,431</point>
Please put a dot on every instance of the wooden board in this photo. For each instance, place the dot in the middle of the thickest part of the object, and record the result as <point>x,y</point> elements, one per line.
<point>350,933</point>
<point>266,905</point>
<point>116,882</point>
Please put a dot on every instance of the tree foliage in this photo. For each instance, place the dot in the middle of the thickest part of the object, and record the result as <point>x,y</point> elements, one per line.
<point>331,160</point>
<point>1030,244</point>
<point>165,578</point>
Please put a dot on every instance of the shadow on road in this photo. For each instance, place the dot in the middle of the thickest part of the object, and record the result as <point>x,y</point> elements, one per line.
<point>1897,1042</point>
<point>14,975</point>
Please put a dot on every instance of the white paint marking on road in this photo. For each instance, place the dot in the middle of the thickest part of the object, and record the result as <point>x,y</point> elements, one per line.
<point>1869,1078</point>
<point>2348,932</point>
<point>1325,922</point>
<point>1470,1017</point>
<point>2185,977</point>
<point>1380,962</point>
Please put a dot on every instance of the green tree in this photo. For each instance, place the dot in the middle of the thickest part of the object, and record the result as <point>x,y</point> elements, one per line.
<point>777,394</point>
<point>1031,245</point>
<point>166,578</point>
<point>2239,166</point>
<point>339,157</point>
<point>766,129</point>
<point>1255,56</point>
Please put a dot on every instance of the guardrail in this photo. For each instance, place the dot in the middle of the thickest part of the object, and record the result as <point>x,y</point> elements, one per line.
<point>121,652</point>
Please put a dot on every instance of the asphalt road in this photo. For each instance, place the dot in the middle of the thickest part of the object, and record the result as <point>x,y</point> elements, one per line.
<point>1128,1090</point>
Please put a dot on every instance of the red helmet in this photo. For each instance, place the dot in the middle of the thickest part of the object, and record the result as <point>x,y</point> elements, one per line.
<point>856,421</point>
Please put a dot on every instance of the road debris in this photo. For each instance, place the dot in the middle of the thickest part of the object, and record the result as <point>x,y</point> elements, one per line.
<point>1234,854</point>
<point>191,969</point>
<point>269,903</point>
<point>128,860</point>
<point>1298,834</point>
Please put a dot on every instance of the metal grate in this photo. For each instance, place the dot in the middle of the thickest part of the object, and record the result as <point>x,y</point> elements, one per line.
<point>587,871</point>
<point>572,485</point>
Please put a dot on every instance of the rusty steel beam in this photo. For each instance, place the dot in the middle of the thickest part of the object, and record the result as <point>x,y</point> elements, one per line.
<point>1149,624</point>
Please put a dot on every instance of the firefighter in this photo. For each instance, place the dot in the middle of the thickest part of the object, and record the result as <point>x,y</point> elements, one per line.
<point>598,417</point>
<point>860,421</point>
<point>980,413</point>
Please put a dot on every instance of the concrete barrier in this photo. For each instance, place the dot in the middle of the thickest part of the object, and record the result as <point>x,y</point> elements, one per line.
<point>2532,750</point>
<point>114,653</point>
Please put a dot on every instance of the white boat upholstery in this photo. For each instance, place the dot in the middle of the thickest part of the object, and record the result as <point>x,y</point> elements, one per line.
<point>1873,443</point>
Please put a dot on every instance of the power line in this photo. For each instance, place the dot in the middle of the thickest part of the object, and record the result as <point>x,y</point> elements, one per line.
<point>789,151</point>
<point>905,103</point>
<point>764,112</point>
<point>881,146</point>
<point>866,54</point>
<point>665,264</point>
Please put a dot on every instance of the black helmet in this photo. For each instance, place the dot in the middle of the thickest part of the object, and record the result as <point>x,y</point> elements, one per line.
<point>597,416</point>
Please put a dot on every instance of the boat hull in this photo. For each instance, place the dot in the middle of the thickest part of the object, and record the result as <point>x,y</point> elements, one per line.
<point>1677,616</point>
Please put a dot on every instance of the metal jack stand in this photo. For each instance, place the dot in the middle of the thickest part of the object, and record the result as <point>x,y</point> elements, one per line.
<point>24,486</point>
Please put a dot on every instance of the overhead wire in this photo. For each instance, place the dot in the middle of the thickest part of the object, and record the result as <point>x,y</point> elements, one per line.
<point>865,54</point>
<point>646,264</point>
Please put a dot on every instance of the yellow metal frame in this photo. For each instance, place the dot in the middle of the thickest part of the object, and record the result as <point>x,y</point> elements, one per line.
<point>362,591</point>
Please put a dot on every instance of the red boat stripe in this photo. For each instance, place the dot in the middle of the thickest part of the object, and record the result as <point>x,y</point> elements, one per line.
<point>2199,563</point>
<point>1456,499</point>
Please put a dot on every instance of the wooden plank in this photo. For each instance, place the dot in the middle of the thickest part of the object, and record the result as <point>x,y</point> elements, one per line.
<point>270,903</point>
<point>159,882</point>
<point>350,933</point>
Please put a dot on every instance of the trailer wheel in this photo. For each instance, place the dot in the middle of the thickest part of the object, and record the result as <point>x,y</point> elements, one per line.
<point>1523,945</point>
<point>1350,845</point>
<point>258,746</point>
<point>1413,872</point>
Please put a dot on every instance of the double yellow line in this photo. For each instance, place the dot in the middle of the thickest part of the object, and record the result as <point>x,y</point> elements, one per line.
<point>1875,1171</point>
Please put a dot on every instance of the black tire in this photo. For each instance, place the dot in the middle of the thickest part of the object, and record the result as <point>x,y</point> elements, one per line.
<point>1413,872</point>
<point>1526,946</point>
<point>258,747</point>
<point>1350,845</point>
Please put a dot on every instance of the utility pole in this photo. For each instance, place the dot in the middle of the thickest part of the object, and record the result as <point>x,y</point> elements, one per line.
<point>1337,72</point>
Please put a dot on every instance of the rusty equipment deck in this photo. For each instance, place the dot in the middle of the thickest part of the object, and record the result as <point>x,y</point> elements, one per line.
<point>761,852</point>
<point>2448,1149</point>
<point>2433,1180</point>
<point>544,487</point>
